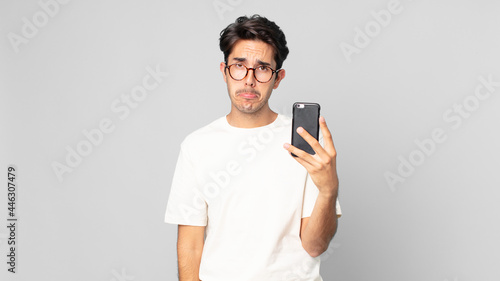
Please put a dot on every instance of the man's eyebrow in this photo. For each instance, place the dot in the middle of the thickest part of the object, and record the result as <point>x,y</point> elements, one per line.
<point>240,59</point>
<point>263,63</point>
<point>259,62</point>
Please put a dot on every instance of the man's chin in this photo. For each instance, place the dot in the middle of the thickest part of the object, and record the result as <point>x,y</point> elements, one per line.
<point>248,108</point>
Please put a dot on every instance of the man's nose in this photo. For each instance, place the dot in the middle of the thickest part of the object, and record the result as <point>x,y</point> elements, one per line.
<point>250,79</point>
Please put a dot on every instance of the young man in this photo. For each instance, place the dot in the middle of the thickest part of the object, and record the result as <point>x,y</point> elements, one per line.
<point>267,215</point>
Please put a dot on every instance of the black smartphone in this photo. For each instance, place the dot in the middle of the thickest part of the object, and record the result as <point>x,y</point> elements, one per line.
<point>305,115</point>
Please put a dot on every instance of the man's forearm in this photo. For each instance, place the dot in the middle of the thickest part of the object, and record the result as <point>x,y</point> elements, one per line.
<point>189,264</point>
<point>321,226</point>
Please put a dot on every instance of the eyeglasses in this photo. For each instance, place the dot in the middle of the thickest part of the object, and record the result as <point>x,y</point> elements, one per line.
<point>261,73</point>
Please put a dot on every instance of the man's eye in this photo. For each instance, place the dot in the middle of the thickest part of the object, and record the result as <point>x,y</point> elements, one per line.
<point>239,65</point>
<point>263,68</point>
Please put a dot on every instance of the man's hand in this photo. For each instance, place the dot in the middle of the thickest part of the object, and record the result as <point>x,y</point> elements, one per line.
<point>318,230</point>
<point>322,167</point>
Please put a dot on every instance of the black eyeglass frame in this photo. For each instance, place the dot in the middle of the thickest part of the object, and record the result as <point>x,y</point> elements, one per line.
<point>252,68</point>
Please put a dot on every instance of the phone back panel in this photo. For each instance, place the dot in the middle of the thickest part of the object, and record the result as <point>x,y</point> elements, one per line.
<point>305,115</point>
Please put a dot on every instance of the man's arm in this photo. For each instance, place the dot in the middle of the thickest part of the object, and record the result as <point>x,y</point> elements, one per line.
<point>190,242</point>
<point>317,230</point>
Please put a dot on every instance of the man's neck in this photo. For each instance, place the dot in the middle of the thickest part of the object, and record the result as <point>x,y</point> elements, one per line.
<point>254,120</point>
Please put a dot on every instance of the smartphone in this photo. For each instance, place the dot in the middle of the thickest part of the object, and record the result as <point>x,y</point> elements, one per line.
<point>305,115</point>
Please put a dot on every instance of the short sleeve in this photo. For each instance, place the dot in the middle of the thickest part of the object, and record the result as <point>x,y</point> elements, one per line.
<point>185,204</point>
<point>311,194</point>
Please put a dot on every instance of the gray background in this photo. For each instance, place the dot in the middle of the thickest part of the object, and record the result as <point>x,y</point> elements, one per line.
<point>104,220</point>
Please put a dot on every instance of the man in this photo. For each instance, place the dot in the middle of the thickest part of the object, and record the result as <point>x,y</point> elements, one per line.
<point>267,215</point>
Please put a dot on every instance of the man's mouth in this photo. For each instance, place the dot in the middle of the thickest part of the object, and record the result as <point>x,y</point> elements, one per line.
<point>247,94</point>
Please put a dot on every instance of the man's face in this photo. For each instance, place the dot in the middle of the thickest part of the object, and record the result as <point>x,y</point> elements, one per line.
<point>249,95</point>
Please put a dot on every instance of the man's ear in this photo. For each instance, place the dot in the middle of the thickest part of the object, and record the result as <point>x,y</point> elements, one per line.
<point>280,76</point>
<point>223,70</point>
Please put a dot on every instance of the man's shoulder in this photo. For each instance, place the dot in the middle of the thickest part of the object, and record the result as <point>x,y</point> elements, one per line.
<point>204,133</point>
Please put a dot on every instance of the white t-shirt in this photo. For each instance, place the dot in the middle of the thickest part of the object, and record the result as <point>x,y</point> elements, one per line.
<point>251,195</point>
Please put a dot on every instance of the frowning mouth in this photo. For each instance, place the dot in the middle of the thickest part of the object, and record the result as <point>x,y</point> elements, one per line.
<point>247,94</point>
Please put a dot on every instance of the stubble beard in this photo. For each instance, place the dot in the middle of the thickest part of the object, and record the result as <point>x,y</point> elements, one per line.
<point>248,107</point>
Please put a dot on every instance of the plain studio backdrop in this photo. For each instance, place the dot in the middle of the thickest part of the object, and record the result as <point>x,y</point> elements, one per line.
<point>96,97</point>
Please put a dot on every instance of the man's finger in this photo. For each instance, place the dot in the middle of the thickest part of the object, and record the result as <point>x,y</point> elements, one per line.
<point>316,146</point>
<point>327,137</point>
<point>303,157</point>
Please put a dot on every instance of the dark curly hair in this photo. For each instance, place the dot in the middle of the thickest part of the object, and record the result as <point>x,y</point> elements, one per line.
<point>255,28</point>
